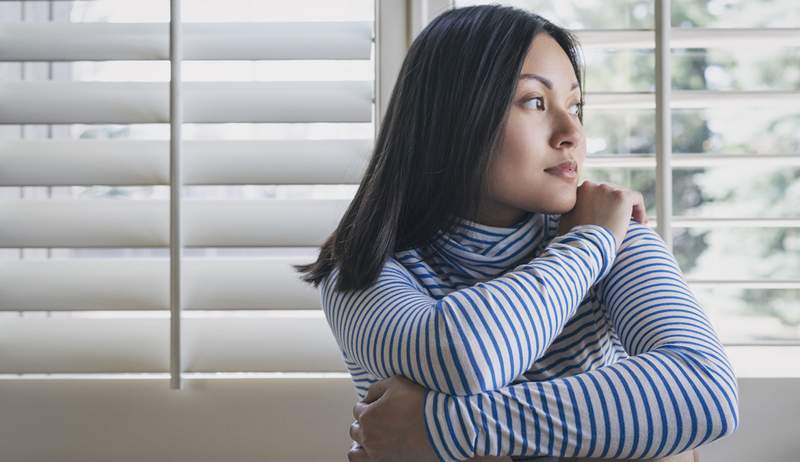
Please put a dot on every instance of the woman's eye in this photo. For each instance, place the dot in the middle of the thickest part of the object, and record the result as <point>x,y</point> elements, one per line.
<point>539,99</point>
<point>578,107</point>
<point>537,102</point>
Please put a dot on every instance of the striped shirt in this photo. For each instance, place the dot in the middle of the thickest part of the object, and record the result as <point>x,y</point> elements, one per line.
<point>530,343</point>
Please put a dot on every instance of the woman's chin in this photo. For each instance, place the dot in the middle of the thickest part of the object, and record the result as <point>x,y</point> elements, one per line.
<point>562,205</point>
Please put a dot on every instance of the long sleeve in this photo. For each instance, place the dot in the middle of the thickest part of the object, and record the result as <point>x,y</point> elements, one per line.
<point>478,338</point>
<point>676,391</point>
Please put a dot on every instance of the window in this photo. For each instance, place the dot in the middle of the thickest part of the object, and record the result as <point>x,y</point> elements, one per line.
<point>735,147</point>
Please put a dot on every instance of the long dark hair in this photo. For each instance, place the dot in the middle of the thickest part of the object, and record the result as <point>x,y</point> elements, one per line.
<point>443,124</point>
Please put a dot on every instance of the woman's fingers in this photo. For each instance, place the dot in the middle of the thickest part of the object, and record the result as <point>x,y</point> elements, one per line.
<point>639,214</point>
<point>359,409</point>
<point>639,210</point>
<point>357,453</point>
<point>355,432</point>
<point>377,389</point>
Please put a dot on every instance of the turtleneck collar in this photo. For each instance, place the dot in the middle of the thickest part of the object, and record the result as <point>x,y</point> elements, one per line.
<point>479,238</point>
<point>472,252</point>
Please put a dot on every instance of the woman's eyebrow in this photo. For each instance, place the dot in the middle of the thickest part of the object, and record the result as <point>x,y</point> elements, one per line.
<point>547,83</point>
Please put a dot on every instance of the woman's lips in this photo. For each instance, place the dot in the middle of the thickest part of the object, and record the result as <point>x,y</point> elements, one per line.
<point>565,170</point>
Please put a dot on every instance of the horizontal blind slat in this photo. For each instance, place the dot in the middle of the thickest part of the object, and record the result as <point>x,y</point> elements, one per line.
<point>688,160</point>
<point>221,283</point>
<point>731,222</point>
<point>145,222</point>
<point>65,102</point>
<point>212,344</point>
<point>692,99</point>
<point>288,40</point>
<point>689,38</point>
<point>211,162</point>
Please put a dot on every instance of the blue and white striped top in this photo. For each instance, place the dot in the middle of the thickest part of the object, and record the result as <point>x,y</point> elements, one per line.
<point>533,344</point>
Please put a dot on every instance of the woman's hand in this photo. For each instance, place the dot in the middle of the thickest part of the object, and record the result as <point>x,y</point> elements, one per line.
<point>390,425</point>
<point>606,205</point>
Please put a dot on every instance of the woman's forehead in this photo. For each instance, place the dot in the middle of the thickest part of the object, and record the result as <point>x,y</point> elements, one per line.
<point>547,63</point>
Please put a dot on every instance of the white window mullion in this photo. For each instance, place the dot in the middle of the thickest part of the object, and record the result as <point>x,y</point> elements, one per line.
<point>390,45</point>
<point>175,241</point>
<point>663,122</point>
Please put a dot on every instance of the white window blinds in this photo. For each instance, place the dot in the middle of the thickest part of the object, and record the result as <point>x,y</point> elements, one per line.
<point>278,124</point>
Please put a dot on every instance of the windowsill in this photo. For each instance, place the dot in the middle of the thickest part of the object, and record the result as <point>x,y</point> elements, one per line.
<point>765,361</point>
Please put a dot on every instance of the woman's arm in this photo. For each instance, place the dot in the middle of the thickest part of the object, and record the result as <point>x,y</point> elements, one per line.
<point>676,391</point>
<point>475,339</point>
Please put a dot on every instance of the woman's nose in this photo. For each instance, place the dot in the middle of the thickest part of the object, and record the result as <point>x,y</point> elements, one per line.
<point>567,131</point>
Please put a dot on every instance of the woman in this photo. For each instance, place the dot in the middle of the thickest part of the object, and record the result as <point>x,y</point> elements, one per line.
<point>486,305</point>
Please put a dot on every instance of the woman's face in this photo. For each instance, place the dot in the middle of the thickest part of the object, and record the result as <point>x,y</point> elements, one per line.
<point>542,131</point>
